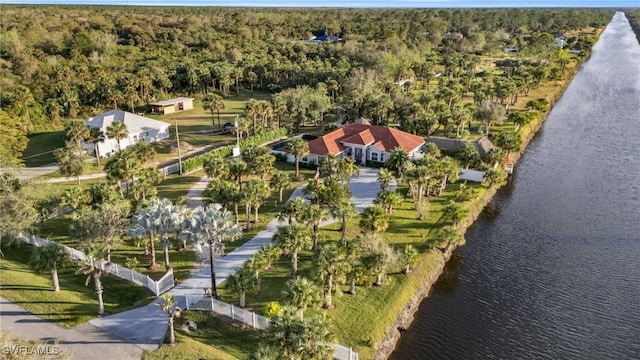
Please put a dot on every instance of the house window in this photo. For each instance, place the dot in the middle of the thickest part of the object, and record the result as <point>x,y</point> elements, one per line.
<point>349,152</point>
<point>382,157</point>
<point>374,156</point>
<point>135,138</point>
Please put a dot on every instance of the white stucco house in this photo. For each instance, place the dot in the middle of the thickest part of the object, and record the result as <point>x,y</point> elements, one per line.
<point>364,143</point>
<point>140,128</point>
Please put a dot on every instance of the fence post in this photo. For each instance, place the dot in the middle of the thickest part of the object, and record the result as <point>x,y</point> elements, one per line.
<point>117,272</point>
<point>213,307</point>
<point>253,319</point>
<point>186,300</point>
<point>233,313</point>
<point>350,353</point>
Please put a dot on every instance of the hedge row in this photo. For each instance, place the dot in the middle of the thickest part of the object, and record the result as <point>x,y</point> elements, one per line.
<point>224,151</point>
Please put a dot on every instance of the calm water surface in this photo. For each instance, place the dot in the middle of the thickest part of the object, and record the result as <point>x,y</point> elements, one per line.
<point>556,275</point>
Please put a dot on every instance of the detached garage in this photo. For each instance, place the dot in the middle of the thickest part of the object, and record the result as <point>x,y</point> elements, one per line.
<point>171,106</point>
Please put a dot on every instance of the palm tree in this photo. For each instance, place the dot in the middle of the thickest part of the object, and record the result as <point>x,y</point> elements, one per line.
<point>215,166</point>
<point>260,191</point>
<point>168,218</point>
<point>93,267</point>
<point>105,225</point>
<point>243,281</point>
<point>237,169</point>
<point>50,257</point>
<point>293,238</point>
<point>448,236</point>
<point>256,263</point>
<point>347,168</point>
<point>77,131</point>
<point>169,306</point>
<point>298,148</point>
<point>280,181</point>
<point>409,257</point>
<point>117,130</point>
<point>388,200</point>
<point>213,102</point>
<point>298,339</point>
<point>74,197</point>
<point>331,265</point>
<point>377,257</point>
<point>313,215</point>
<point>454,212</point>
<point>271,253</point>
<point>95,137</point>
<point>330,165</point>
<point>292,210</point>
<point>374,219</point>
<point>385,177</point>
<point>356,270</point>
<point>397,162</point>
<point>301,293</point>
<point>144,226</point>
<point>210,227</point>
<point>343,210</point>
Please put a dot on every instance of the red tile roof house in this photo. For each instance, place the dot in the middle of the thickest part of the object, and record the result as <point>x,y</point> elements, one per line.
<point>364,143</point>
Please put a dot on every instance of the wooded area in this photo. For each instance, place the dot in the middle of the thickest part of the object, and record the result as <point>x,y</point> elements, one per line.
<point>69,62</point>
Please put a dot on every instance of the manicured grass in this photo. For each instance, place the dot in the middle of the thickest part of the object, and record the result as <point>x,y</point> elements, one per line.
<point>40,148</point>
<point>359,320</point>
<point>217,337</point>
<point>175,186</point>
<point>75,303</point>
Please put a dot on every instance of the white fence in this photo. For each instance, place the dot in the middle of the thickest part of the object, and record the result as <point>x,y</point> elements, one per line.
<point>157,287</point>
<point>201,303</point>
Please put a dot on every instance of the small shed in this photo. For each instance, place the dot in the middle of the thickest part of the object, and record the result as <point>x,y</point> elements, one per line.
<point>171,106</point>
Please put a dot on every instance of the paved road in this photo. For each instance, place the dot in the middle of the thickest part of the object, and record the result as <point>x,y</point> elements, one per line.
<point>126,334</point>
<point>150,326</point>
<point>85,342</point>
<point>27,173</point>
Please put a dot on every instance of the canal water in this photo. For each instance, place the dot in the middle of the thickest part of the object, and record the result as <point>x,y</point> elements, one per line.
<point>556,273</point>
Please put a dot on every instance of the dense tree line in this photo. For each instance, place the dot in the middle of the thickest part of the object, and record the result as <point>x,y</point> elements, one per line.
<point>70,62</point>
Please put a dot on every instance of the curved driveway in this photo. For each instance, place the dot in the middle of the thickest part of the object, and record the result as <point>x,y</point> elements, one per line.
<point>146,326</point>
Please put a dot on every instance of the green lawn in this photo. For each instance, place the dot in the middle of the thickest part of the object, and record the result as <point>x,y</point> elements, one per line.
<point>75,303</point>
<point>40,148</point>
<point>217,337</point>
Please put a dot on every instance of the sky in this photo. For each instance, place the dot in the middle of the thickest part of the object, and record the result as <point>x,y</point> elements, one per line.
<point>348,3</point>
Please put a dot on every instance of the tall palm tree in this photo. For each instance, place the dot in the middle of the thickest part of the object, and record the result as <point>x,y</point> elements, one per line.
<point>117,130</point>
<point>256,263</point>
<point>169,305</point>
<point>301,293</point>
<point>331,265</point>
<point>280,180</point>
<point>397,162</point>
<point>215,166</point>
<point>144,226</point>
<point>330,165</point>
<point>385,177</point>
<point>292,210</point>
<point>168,218</point>
<point>95,137</point>
<point>343,210</point>
<point>313,215</point>
<point>293,238</point>
<point>74,197</point>
<point>298,148</point>
<point>50,257</point>
<point>454,212</point>
<point>374,219</point>
<point>347,168</point>
<point>77,131</point>
<point>388,200</point>
<point>409,257</point>
<point>237,169</point>
<point>213,102</point>
<point>93,267</point>
<point>260,191</point>
<point>210,227</point>
<point>241,282</point>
